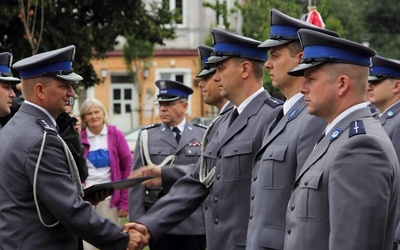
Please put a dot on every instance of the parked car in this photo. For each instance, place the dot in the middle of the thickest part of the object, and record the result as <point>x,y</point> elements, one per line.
<point>131,137</point>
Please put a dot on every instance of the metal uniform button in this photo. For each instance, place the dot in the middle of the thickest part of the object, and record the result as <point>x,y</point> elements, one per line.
<point>252,197</point>
<point>251,216</point>
<point>216,221</point>
<point>306,182</point>
<point>254,177</point>
<point>236,149</point>
<point>289,230</point>
<point>209,152</point>
<point>292,206</point>
<point>216,199</point>
<point>218,176</point>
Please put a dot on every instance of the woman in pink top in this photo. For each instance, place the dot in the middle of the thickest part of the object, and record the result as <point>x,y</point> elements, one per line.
<point>108,157</point>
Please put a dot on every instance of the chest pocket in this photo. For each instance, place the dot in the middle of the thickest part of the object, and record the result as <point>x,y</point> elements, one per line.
<point>310,195</point>
<point>192,153</point>
<point>273,169</point>
<point>159,153</point>
<point>237,160</point>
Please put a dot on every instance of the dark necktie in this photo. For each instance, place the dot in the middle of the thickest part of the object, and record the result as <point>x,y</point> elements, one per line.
<point>178,134</point>
<point>234,114</point>
<point>276,121</point>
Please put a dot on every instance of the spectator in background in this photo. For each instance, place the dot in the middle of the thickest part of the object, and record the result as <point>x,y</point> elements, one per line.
<point>108,158</point>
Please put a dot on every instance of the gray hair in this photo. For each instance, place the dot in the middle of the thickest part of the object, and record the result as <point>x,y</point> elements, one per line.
<point>86,106</point>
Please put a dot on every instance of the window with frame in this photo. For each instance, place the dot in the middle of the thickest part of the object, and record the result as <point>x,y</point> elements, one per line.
<point>178,7</point>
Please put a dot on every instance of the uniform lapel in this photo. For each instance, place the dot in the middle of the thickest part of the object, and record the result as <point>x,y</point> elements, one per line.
<point>168,136</point>
<point>324,144</point>
<point>291,115</point>
<point>187,136</point>
<point>251,109</point>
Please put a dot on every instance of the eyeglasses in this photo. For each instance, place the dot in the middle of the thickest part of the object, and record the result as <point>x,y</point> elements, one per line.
<point>168,104</point>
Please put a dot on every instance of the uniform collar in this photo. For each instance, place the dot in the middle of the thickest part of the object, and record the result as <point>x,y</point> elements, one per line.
<point>344,114</point>
<point>44,111</point>
<point>290,102</point>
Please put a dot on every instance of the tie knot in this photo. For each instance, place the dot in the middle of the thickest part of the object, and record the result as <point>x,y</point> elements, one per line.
<point>176,130</point>
<point>178,134</point>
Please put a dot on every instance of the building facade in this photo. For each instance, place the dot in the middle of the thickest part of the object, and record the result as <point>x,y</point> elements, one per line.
<point>176,60</point>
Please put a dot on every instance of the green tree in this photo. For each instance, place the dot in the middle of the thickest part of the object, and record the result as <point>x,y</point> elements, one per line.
<point>91,25</point>
<point>137,56</point>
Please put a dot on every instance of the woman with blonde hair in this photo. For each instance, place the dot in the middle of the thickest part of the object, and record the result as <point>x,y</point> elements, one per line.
<point>108,157</point>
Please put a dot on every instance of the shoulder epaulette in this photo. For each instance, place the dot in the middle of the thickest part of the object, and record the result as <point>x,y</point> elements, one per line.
<point>151,126</point>
<point>356,128</point>
<point>273,102</point>
<point>46,127</point>
<point>200,125</point>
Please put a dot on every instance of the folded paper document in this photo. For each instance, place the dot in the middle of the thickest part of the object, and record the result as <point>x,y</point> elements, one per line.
<point>115,185</point>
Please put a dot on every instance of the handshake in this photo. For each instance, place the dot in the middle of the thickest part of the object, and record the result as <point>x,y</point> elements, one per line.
<point>139,235</point>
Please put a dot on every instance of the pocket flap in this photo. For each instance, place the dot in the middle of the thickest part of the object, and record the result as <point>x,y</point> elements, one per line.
<point>311,180</point>
<point>275,152</point>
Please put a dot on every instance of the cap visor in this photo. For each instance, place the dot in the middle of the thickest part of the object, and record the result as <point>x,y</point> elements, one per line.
<point>373,79</point>
<point>273,43</point>
<point>216,59</point>
<point>168,99</point>
<point>299,69</point>
<point>10,79</point>
<point>205,72</point>
<point>73,77</point>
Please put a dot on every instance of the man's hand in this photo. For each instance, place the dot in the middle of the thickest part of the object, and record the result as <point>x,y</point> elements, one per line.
<point>139,235</point>
<point>122,213</point>
<point>146,171</point>
<point>95,198</point>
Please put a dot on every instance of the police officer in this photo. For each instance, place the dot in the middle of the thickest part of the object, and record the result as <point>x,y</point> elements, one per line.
<point>345,196</point>
<point>7,83</point>
<point>384,93</point>
<point>174,142</point>
<point>41,203</point>
<point>291,137</point>
<point>222,179</point>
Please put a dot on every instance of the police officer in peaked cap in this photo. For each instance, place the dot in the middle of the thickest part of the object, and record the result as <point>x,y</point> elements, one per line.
<point>291,128</point>
<point>205,52</point>
<point>352,174</point>
<point>225,167</point>
<point>284,30</point>
<point>40,190</point>
<point>384,92</point>
<point>7,83</point>
<point>170,149</point>
<point>209,87</point>
<point>227,45</point>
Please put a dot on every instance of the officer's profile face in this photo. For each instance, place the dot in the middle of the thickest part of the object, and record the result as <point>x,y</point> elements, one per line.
<point>229,78</point>
<point>6,96</point>
<point>280,61</point>
<point>319,92</point>
<point>381,92</point>
<point>209,90</point>
<point>172,113</point>
<point>56,94</point>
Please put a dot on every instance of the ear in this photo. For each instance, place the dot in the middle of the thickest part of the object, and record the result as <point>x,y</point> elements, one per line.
<point>247,67</point>
<point>396,86</point>
<point>300,55</point>
<point>343,84</point>
<point>40,90</point>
